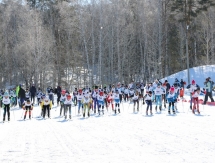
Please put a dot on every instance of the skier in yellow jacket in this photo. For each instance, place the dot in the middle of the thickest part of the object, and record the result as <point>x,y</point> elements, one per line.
<point>46,106</point>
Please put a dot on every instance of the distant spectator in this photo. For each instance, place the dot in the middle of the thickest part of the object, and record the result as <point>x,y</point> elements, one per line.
<point>182,83</point>
<point>208,88</point>
<point>33,91</point>
<point>21,95</point>
<point>58,94</point>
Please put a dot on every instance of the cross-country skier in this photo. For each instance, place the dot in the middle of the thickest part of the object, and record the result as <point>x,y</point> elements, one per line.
<point>28,107</point>
<point>87,101</point>
<point>101,103</point>
<point>62,99</point>
<point>148,100</point>
<point>195,100</point>
<point>39,95</point>
<point>192,87</point>
<point>68,105</point>
<point>46,107</point>
<point>126,93</point>
<point>158,96</point>
<point>117,101</point>
<point>110,100</point>
<point>136,101</point>
<point>79,98</point>
<point>171,98</point>
<point>51,95</point>
<point>6,105</point>
<point>94,97</point>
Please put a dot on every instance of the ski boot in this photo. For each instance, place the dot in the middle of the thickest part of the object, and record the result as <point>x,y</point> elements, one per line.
<point>137,109</point>
<point>70,117</point>
<point>119,110</point>
<point>169,111</point>
<point>173,111</point>
<point>88,114</point>
<point>146,112</point>
<point>165,106</point>
<point>160,108</point>
<point>65,116</point>
<point>115,111</point>
<point>156,108</point>
<point>84,114</point>
<point>24,117</point>
<point>29,117</point>
<point>151,112</point>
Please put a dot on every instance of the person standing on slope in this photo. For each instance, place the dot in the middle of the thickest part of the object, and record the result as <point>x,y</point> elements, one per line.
<point>208,87</point>
<point>58,94</point>
<point>21,96</point>
<point>33,91</point>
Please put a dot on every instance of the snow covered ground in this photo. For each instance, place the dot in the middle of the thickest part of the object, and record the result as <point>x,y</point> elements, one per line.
<point>123,138</point>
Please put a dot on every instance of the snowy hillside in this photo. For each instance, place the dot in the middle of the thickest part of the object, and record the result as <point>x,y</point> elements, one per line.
<point>199,74</point>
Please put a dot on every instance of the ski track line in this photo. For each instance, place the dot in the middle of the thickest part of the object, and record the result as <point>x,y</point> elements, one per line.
<point>13,145</point>
<point>63,139</point>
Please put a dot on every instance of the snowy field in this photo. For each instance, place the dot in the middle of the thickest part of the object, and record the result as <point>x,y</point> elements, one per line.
<point>123,138</point>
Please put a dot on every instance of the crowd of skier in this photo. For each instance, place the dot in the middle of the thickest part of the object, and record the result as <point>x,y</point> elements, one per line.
<point>97,99</point>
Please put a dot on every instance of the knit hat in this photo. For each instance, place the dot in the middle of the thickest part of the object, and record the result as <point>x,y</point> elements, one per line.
<point>172,89</point>
<point>193,82</point>
<point>68,96</point>
<point>101,93</point>
<point>6,94</point>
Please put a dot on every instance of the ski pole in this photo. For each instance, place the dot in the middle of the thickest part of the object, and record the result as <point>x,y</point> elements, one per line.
<point>13,115</point>
<point>0,111</point>
<point>183,104</point>
<point>22,113</point>
<point>32,113</point>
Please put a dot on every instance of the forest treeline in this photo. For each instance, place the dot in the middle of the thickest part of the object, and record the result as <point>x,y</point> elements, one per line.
<point>87,42</point>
